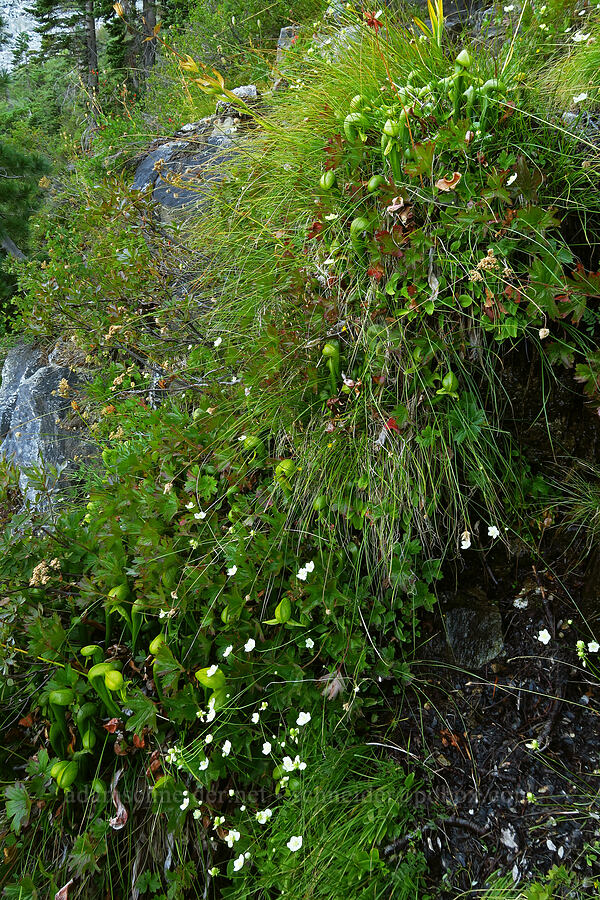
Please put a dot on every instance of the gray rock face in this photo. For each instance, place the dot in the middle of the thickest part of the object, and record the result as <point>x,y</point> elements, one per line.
<point>182,172</point>
<point>18,19</point>
<point>474,631</point>
<point>247,93</point>
<point>38,426</point>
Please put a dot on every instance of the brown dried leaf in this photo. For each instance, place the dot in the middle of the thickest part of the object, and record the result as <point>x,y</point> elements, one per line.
<point>119,820</point>
<point>448,183</point>
<point>333,684</point>
<point>63,893</point>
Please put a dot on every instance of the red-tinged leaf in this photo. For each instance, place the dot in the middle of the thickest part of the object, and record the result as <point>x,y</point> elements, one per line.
<point>138,742</point>
<point>26,721</point>
<point>112,726</point>
<point>371,21</point>
<point>314,231</point>
<point>376,272</point>
<point>391,424</point>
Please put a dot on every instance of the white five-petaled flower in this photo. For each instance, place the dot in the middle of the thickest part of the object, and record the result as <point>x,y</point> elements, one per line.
<point>263,816</point>
<point>593,646</point>
<point>227,651</point>
<point>543,333</point>
<point>294,843</point>
<point>203,765</point>
<point>303,718</point>
<point>579,98</point>
<point>208,739</point>
<point>218,342</point>
<point>310,566</point>
<point>185,802</point>
<point>238,863</point>
<point>266,748</point>
<point>249,645</point>
<point>465,540</point>
<point>309,643</point>
<point>301,574</point>
<point>533,745</point>
<point>200,515</point>
<point>242,437</point>
<point>509,8</point>
<point>493,532</point>
<point>255,718</point>
<point>512,179</point>
<point>212,670</point>
<point>544,637</point>
<point>579,37</point>
<point>232,570</point>
<point>232,837</point>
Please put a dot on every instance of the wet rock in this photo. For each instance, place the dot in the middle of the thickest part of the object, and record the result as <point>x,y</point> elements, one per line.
<point>474,631</point>
<point>39,428</point>
<point>286,38</point>
<point>20,363</point>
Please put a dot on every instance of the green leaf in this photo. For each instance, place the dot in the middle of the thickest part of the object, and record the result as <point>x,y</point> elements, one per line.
<point>18,806</point>
<point>144,713</point>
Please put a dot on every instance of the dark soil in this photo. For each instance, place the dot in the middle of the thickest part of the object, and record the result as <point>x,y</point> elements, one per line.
<point>470,733</point>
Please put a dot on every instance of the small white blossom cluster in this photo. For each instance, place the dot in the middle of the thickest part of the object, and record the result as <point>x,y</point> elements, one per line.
<point>305,570</point>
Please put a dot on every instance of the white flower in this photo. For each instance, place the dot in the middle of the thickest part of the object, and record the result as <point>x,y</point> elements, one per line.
<point>190,505</point>
<point>203,765</point>
<point>255,718</point>
<point>579,98</point>
<point>533,745</point>
<point>227,651</point>
<point>493,532</point>
<point>310,566</point>
<point>543,333</point>
<point>218,820</point>
<point>200,515</point>
<point>301,574</point>
<point>593,646</point>
<point>309,643</point>
<point>544,637</point>
<point>232,570</point>
<point>580,649</point>
<point>303,718</point>
<point>185,802</point>
<point>212,670</point>
<point>168,487</point>
<point>266,748</point>
<point>197,814</point>
<point>231,792</point>
<point>163,614</point>
<point>214,871</point>
<point>519,603</point>
<point>208,739</point>
<point>249,645</point>
<point>543,27</point>
<point>264,705</point>
<point>287,764</point>
<point>263,816</point>
<point>579,37</point>
<point>512,179</point>
<point>465,540</point>
<point>232,837</point>
<point>238,863</point>
<point>509,8</point>
<point>218,342</point>
<point>194,544</point>
<point>242,437</point>
<point>294,843</point>
<point>172,754</point>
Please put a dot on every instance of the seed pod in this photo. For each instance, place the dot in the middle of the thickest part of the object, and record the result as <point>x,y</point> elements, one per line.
<point>156,644</point>
<point>375,183</point>
<point>327,180</point>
